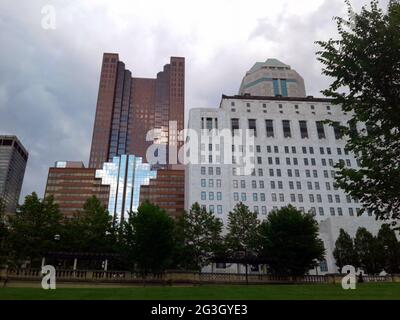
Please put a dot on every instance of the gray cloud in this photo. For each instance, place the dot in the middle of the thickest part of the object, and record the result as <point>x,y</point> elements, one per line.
<point>49,79</point>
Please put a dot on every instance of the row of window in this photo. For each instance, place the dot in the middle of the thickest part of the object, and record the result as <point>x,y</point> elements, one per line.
<point>287,128</point>
<point>290,172</point>
<point>332,210</point>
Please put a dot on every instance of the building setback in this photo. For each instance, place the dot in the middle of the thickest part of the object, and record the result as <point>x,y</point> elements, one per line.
<point>128,107</point>
<point>167,191</point>
<point>13,159</point>
<point>71,184</point>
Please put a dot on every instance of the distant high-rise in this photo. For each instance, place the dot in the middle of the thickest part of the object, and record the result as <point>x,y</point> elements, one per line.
<point>128,107</point>
<point>272,78</point>
<point>13,159</point>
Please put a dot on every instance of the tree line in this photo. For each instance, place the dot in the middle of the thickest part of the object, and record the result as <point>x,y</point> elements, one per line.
<point>371,253</point>
<point>150,241</point>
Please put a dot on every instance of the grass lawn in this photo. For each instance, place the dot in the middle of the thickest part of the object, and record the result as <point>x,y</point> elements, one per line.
<point>383,291</point>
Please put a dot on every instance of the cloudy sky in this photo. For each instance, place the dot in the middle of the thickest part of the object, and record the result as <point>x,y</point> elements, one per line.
<point>49,78</point>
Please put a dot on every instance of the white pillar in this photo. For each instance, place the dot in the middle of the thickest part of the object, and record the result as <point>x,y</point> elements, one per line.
<point>75,263</point>
<point>105,265</point>
<point>43,261</point>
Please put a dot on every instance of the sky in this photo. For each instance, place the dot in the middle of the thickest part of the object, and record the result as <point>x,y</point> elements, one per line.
<point>49,77</point>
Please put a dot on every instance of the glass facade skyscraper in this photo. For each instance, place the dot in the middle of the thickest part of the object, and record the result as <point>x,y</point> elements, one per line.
<point>129,107</point>
<point>125,175</point>
<point>13,159</point>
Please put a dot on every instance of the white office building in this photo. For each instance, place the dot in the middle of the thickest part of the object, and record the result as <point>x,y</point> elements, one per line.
<point>291,162</point>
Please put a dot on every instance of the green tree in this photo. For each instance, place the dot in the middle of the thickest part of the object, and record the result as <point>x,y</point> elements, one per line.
<point>152,238</point>
<point>344,252</point>
<point>365,66</point>
<point>198,234</point>
<point>33,228</point>
<point>242,231</point>
<point>90,230</point>
<point>3,233</point>
<point>367,248</point>
<point>290,242</point>
<point>390,249</point>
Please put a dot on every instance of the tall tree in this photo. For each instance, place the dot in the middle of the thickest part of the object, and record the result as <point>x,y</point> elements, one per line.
<point>33,228</point>
<point>3,233</point>
<point>243,231</point>
<point>199,237</point>
<point>390,249</point>
<point>365,66</point>
<point>290,242</point>
<point>344,252</point>
<point>152,238</point>
<point>90,230</point>
<point>367,248</point>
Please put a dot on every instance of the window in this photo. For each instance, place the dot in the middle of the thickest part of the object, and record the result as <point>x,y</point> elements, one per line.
<point>292,197</point>
<point>219,209</point>
<point>270,128</point>
<point>234,125</point>
<point>264,210</point>
<point>211,196</point>
<point>255,198</point>
<point>286,128</point>
<point>337,131</point>
<point>332,210</point>
<point>340,212</point>
<point>273,196</point>
<point>286,149</point>
<point>211,208</point>
<point>254,184</point>
<point>321,211</point>
<point>203,170</point>
<point>203,195</point>
<point>218,183</point>
<point>219,196</point>
<point>242,184</point>
<point>209,123</point>
<point>261,184</point>
<point>235,184</point>
<point>256,209</point>
<point>211,183</point>
<point>272,183</point>
<point>337,198</point>
<point>320,130</point>
<point>351,212</point>
<point>303,129</point>
<point>262,196</point>
<point>323,266</point>
<point>218,171</point>
<point>243,196</point>
<point>260,172</point>
<point>281,197</point>
<point>236,196</point>
<point>210,171</point>
<point>252,126</point>
<point>330,198</point>
<point>203,183</point>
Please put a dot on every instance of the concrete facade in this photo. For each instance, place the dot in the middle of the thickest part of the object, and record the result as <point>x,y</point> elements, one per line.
<point>291,166</point>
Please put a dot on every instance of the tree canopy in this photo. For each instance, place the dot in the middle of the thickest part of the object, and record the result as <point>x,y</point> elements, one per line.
<point>364,63</point>
<point>290,241</point>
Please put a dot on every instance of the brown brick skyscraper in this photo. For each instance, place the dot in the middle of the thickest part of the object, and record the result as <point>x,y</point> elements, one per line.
<point>127,108</point>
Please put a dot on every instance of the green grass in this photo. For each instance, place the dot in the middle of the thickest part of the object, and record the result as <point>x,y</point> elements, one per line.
<point>383,291</point>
